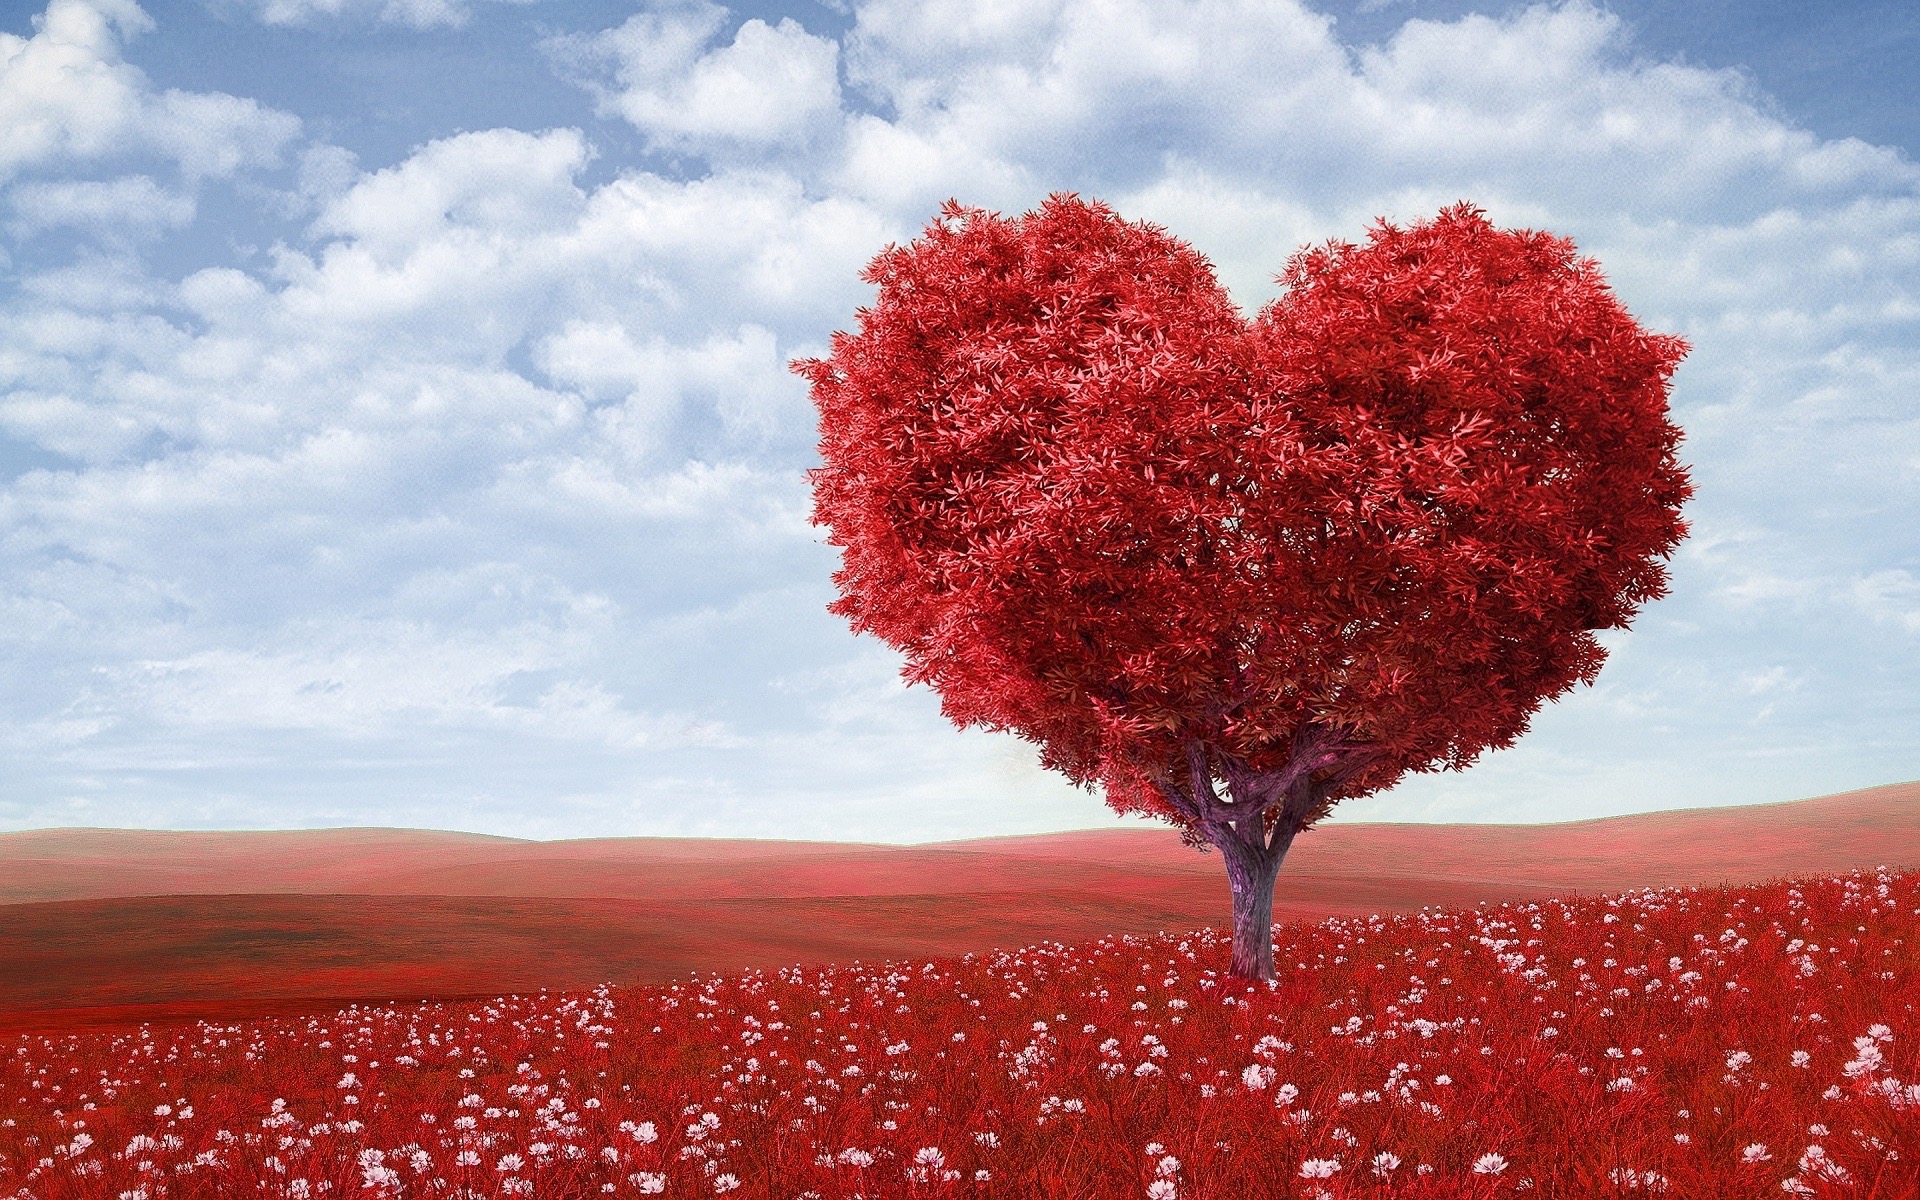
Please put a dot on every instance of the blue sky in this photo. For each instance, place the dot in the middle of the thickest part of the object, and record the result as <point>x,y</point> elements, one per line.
<point>394,425</point>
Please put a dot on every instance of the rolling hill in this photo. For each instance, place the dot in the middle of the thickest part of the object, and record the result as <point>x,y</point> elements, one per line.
<point>110,926</point>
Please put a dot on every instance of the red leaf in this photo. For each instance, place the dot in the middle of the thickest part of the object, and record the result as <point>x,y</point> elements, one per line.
<point>1078,489</point>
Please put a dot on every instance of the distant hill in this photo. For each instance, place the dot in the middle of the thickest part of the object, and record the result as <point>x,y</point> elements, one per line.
<point>133,924</point>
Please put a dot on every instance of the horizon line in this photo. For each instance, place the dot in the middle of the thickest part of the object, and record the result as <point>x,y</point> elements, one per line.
<point>1151,825</point>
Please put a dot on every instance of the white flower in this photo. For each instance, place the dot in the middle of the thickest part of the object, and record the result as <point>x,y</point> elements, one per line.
<point>648,1183</point>
<point>1168,1168</point>
<point>1161,1189</point>
<point>1866,1058</point>
<point>373,1173</point>
<point>930,1156</point>
<point>1634,1180</point>
<point>1319,1168</point>
<point>466,1158</point>
<point>726,1183</point>
<point>1815,1162</point>
<point>1755,1153</point>
<point>1489,1164</point>
<point>1384,1163</point>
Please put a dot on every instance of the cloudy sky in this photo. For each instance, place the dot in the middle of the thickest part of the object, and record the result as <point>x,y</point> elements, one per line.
<point>395,427</point>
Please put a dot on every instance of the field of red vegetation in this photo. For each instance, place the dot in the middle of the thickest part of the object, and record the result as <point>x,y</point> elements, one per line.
<point>1698,1043</point>
<point>103,927</point>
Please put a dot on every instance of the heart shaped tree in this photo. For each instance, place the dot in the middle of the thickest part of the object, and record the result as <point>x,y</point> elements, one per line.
<point>1232,571</point>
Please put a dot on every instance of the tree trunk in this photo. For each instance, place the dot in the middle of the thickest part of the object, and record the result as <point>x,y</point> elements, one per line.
<point>1290,795</point>
<point>1251,871</point>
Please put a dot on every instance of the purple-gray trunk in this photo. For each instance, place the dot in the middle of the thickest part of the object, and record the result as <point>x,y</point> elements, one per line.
<point>1251,871</point>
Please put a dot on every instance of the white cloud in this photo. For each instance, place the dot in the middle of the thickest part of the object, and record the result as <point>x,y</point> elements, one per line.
<point>216,135</point>
<point>906,170</point>
<point>67,426</point>
<point>771,85</point>
<point>415,14</point>
<point>67,96</point>
<point>498,184</point>
<point>326,173</point>
<point>901,47</point>
<point>1890,597</point>
<point>755,242</point>
<point>1097,94</point>
<point>1252,230</point>
<point>1544,109</point>
<point>65,91</point>
<point>427,276</point>
<point>743,373</point>
<point>133,205</point>
<point>359,680</point>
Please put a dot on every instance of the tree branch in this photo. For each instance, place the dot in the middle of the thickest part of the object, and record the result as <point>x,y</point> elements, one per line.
<point>1177,800</point>
<point>1251,794</point>
<point>1357,759</point>
<point>1200,774</point>
<point>1314,747</point>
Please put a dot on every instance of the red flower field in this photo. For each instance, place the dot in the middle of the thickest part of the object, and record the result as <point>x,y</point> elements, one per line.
<point>1730,1040</point>
<point>1456,1032</point>
<point>1724,1042</point>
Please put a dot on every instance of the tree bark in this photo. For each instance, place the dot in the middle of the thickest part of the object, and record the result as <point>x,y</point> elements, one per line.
<point>1252,868</point>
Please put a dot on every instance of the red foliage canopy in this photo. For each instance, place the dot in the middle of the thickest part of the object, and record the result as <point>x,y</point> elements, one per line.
<point>1096,506</point>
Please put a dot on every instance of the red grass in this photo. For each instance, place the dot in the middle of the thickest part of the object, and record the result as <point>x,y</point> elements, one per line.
<point>133,925</point>
<point>1638,1044</point>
